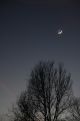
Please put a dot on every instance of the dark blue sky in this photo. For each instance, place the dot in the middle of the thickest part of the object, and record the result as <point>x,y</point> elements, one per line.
<point>28,33</point>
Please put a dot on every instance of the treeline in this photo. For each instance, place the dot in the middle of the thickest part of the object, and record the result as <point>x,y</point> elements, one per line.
<point>48,97</point>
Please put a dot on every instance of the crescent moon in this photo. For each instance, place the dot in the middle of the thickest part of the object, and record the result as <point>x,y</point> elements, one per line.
<point>60,32</point>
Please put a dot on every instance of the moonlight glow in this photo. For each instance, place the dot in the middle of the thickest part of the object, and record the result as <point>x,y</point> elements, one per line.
<point>60,32</point>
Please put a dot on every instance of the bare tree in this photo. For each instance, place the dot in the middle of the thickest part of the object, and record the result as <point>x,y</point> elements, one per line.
<point>75,110</point>
<point>63,92</point>
<point>48,95</point>
<point>40,86</point>
<point>24,110</point>
<point>50,88</point>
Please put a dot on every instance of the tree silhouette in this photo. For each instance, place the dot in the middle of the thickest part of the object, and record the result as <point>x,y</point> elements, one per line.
<point>51,89</point>
<point>48,94</point>
<point>75,110</point>
<point>24,110</point>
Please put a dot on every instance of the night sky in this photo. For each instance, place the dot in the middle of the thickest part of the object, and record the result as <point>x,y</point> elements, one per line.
<point>28,34</point>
